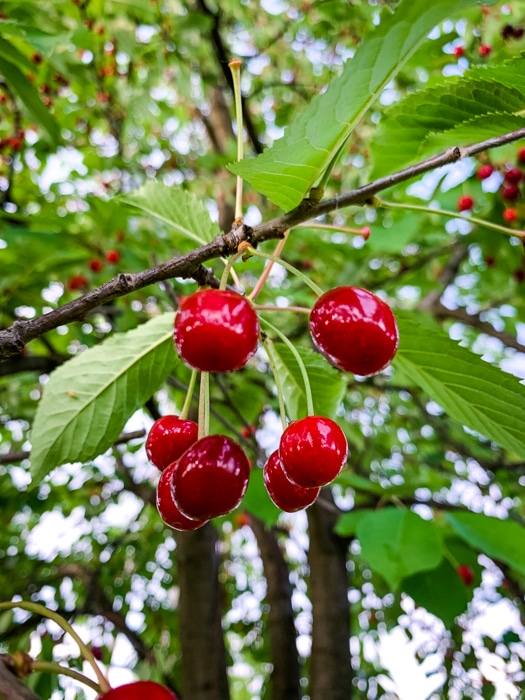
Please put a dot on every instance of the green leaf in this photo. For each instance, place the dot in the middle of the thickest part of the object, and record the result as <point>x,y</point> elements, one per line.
<point>398,543</point>
<point>347,524</point>
<point>486,102</point>
<point>478,395</point>
<point>21,86</point>
<point>440,591</point>
<point>286,171</point>
<point>177,208</point>
<point>258,502</point>
<point>88,400</point>
<point>327,384</point>
<point>503,540</point>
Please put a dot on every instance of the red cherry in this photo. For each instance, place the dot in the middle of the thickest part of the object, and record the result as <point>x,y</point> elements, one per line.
<point>216,331</point>
<point>169,438</point>
<point>466,573</point>
<point>168,511</point>
<point>484,171</point>
<point>139,690</point>
<point>113,257</point>
<point>459,51</point>
<point>513,175</point>
<point>465,203</point>
<point>284,493</point>
<point>242,519</point>
<point>210,478</point>
<point>520,157</point>
<point>510,215</point>
<point>510,192</point>
<point>95,265</point>
<point>484,50</point>
<point>313,451</point>
<point>77,282</point>
<point>354,330</point>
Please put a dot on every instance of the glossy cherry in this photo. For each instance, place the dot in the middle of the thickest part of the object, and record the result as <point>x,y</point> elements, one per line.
<point>484,171</point>
<point>466,574</point>
<point>168,438</point>
<point>465,203</point>
<point>139,690</point>
<point>513,175</point>
<point>168,511</point>
<point>313,451</point>
<point>210,478</point>
<point>216,330</point>
<point>284,493</point>
<point>510,192</point>
<point>354,330</point>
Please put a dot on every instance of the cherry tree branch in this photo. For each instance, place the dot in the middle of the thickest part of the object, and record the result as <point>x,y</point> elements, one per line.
<point>191,265</point>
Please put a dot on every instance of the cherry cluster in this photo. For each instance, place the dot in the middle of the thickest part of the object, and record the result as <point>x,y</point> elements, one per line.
<point>218,331</point>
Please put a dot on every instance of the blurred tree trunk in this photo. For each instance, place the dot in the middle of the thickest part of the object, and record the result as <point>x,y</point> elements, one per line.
<point>330,663</point>
<point>10,687</point>
<point>201,636</point>
<point>286,674</point>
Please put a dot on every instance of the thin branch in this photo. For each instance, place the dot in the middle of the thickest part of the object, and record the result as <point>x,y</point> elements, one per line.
<point>13,339</point>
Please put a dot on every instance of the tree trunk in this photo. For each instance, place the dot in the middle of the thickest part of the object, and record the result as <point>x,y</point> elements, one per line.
<point>285,677</point>
<point>10,687</point>
<point>330,663</point>
<point>201,636</point>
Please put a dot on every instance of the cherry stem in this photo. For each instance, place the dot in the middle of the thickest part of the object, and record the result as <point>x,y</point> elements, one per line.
<point>189,395</point>
<point>339,229</point>
<point>272,359</point>
<point>86,653</point>
<point>317,290</point>
<point>235,68</point>
<point>49,667</point>
<point>451,214</point>
<point>299,360</point>
<point>204,405</point>
<point>266,272</point>
<point>228,268</point>
<point>295,309</point>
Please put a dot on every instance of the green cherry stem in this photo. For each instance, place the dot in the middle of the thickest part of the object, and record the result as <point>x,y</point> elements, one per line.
<point>38,609</point>
<point>451,214</point>
<point>235,68</point>
<point>316,289</point>
<point>364,231</point>
<point>299,360</point>
<point>228,268</point>
<point>189,395</point>
<point>49,667</point>
<point>204,405</point>
<point>272,359</point>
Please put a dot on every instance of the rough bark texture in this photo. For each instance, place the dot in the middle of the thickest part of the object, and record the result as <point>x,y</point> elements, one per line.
<point>330,663</point>
<point>285,677</point>
<point>201,636</point>
<point>10,687</point>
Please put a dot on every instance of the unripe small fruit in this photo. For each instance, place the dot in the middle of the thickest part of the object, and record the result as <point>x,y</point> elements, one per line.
<point>484,171</point>
<point>465,203</point>
<point>510,192</point>
<point>466,574</point>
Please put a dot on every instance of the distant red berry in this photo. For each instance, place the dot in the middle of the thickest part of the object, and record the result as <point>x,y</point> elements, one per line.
<point>519,275</point>
<point>465,203</point>
<point>484,50</point>
<point>466,574</point>
<point>518,32</point>
<point>102,97</point>
<point>510,215</point>
<point>507,32</point>
<point>510,192</point>
<point>248,431</point>
<point>97,652</point>
<point>242,519</point>
<point>490,260</point>
<point>484,172</point>
<point>513,175</point>
<point>365,232</point>
<point>95,265</point>
<point>77,282</point>
<point>113,257</point>
<point>37,58</point>
<point>459,51</point>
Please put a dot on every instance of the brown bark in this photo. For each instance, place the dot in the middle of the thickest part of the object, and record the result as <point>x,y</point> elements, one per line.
<point>330,663</point>
<point>201,636</point>
<point>286,673</point>
<point>10,687</point>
